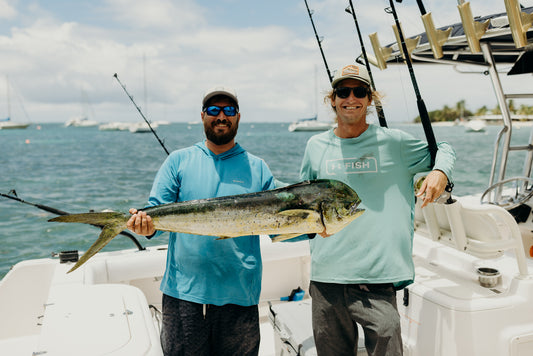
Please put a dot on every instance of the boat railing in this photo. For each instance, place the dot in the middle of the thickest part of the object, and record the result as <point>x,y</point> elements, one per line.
<point>497,174</point>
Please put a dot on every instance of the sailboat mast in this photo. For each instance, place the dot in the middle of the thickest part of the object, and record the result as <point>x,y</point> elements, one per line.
<point>316,94</point>
<point>8,99</point>
<point>145,90</point>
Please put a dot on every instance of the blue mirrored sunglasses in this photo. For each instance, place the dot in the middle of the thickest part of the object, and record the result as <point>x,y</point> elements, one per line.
<point>214,110</point>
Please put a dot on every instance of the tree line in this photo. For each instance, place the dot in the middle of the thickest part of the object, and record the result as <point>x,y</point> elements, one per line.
<point>460,111</point>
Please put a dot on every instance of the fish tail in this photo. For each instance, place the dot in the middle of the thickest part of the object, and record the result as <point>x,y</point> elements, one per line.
<point>112,224</point>
<point>97,219</point>
<point>107,234</point>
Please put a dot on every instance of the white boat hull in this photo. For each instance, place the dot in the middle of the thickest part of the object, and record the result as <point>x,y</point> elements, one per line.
<point>104,308</point>
<point>12,125</point>
<point>310,125</point>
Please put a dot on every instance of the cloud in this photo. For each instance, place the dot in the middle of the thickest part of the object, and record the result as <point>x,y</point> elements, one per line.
<point>173,51</point>
<point>6,10</point>
<point>157,14</point>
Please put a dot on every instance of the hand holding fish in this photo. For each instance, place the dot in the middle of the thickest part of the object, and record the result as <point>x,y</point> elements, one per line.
<point>432,187</point>
<point>140,223</point>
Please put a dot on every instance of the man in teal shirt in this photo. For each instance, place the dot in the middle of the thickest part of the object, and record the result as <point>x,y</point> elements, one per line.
<point>210,287</point>
<point>355,273</point>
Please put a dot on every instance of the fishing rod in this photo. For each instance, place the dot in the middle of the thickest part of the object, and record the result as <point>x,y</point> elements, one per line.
<point>422,110</point>
<point>330,77</point>
<point>379,107</point>
<point>13,195</point>
<point>140,112</point>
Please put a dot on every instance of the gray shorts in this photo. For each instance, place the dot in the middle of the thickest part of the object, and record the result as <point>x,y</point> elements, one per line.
<point>338,308</point>
<point>197,329</point>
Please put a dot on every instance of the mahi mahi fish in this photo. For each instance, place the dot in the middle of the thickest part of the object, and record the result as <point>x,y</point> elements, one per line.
<point>308,207</point>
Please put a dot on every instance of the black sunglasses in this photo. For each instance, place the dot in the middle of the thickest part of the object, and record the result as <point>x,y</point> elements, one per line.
<point>358,92</point>
<point>214,110</point>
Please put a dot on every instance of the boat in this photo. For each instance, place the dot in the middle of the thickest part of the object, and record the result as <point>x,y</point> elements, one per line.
<point>112,304</point>
<point>310,124</point>
<point>81,121</point>
<point>475,125</point>
<point>85,118</point>
<point>473,257</point>
<point>114,126</point>
<point>142,127</point>
<point>6,123</point>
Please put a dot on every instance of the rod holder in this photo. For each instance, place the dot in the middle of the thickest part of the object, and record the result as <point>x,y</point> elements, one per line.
<point>410,43</point>
<point>381,53</point>
<point>473,30</point>
<point>519,22</point>
<point>436,38</point>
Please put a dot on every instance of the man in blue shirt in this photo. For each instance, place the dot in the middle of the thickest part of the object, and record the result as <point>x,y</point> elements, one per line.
<point>355,273</point>
<point>210,288</point>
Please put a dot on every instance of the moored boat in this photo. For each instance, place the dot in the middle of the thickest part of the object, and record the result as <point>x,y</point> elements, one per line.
<point>310,124</point>
<point>81,121</point>
<point>7,124</point>
<point>475,125</point>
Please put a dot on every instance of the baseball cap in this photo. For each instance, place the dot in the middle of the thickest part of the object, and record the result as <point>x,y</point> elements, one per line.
<point>351,71</point>
<point>220,90</point>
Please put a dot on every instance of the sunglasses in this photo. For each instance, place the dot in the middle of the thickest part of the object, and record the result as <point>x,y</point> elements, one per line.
<point>358,92</point>
<point>214,110</point>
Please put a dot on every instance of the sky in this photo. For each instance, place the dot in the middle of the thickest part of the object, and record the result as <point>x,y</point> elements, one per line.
<point>60,57</point>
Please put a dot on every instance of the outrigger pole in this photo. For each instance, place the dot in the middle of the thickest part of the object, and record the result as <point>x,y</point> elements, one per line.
<point>13,195</point>
<point>379,107</point>
<point>140,112</point>
<point>330,77</point>
<point>422,110</point>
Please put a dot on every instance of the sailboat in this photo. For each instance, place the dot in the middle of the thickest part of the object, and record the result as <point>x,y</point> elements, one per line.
<point>6,123</point>
<point>84,119</point>
<point>311,123</point>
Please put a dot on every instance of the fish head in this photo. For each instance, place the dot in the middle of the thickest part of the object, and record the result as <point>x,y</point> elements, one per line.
<point>341,208</point>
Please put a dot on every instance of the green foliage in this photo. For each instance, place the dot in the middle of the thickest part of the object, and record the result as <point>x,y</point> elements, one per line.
<point>459,111</point>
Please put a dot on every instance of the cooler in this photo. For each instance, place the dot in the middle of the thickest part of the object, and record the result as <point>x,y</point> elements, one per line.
<point>293,331</point>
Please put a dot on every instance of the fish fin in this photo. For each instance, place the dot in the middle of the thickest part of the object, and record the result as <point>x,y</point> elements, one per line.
<point>284,237</point>
<point>303,213</point>
<point>108,233</point>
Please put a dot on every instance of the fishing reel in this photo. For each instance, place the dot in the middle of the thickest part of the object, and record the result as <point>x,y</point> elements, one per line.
<point>444,198</point>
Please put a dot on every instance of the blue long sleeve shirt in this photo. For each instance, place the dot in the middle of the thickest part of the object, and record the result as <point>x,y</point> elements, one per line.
<point>202,269</point>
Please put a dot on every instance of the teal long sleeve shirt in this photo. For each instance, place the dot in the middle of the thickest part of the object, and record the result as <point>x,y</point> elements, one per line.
<point>380,166</point>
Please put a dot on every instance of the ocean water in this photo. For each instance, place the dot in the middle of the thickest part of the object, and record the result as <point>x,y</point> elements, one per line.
<point>79,169</point>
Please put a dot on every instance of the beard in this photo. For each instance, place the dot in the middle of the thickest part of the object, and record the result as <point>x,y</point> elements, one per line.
<point>218,138</point>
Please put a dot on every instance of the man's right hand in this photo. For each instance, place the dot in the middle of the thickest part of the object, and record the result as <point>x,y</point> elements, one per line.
<point>140,223</point>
